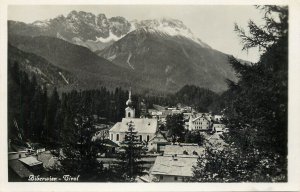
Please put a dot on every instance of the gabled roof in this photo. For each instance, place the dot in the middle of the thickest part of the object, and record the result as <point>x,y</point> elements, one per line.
<point>158,107</point>
<point>200,118</point>
<point>179,150</point>
<point>141,125</point>
<point>216,141</point>
<point>158,138</point>
<point>218,125</point>
<point>30,161</point>
<point>167,165</point>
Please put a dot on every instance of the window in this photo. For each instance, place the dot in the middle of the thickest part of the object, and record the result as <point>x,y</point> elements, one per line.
<point>112,137</point>
<point>117,137</point>
<point>148,138</point>
<point>161,177</point>
<point>141,137</point>
<point>175,178</point>
<point>20,155</point>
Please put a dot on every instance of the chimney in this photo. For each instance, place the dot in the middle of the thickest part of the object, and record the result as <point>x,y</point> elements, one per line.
<point>174,157</point>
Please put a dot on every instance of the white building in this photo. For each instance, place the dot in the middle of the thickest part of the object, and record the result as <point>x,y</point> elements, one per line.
<point>217,127</point>
<point>145,128</point>
<point>218,118</point>
<point>201,123</point>
<point>176,165</point>
<point>173,169</point>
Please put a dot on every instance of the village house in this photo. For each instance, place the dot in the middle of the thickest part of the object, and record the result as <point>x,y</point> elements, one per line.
<point>20,165</point>
<point>160,115</point>
<point>201,123</point>
<point>16,153</point>
<point>32,163</point>
<point>102,131</point>
<point>172,168</point>
<point>145,128</point>
<point>218,118</point>
<point>176,164</point>
<point>157,143</point>
<point>182,149</point>
<point>186,116</point>
<point>218,128</point>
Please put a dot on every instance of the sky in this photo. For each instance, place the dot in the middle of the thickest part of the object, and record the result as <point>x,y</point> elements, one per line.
<point>213,24</point>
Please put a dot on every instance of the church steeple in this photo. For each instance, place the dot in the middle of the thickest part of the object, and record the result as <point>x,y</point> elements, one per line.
<point>129,101</point>
<point>129,111</point>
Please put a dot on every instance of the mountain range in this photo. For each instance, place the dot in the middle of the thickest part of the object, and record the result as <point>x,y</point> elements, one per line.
<point>155,55</point>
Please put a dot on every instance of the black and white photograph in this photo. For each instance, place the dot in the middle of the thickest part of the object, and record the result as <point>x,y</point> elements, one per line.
<point>148,93</point>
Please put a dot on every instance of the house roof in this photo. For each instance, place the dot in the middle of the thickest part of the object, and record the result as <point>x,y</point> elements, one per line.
<point>204,117</point>
<point>166,165</point>
<point>142,125</point>
<point>30,161</point>
<point>19,168</point>
<point>216,141</point>
<point>158,138</point>
<point>158,107</point>
<point>179,149</point>
<point>218,125</point>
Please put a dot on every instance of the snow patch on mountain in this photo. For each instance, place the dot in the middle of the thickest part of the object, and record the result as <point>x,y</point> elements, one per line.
<point>178,32</point>
<point>167,26</point>
<point>128,61</point>
<point>35,70</point>
<point>88,28</point>
<point>41,24</point>
<point>168,69</point>
<point>58,35</point>
<point>111,58</point>
<point>64,78</point>
<point>111,37</point>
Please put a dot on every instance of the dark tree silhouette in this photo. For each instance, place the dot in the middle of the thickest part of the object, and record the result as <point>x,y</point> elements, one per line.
<point>256,109</point>
<point>175,127</point>
<point>130,158</point>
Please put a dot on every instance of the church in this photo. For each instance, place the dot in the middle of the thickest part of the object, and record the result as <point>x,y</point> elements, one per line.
<point>145,128</point>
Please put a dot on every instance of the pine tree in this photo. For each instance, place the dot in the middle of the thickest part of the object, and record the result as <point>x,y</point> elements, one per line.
<point>175,127</point>
<point>260,99</point>
<point>256,110</point>
<point>130,159</point>
<point>79,149</point>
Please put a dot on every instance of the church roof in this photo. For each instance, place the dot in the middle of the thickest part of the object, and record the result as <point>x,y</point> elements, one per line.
<point>141,125</point>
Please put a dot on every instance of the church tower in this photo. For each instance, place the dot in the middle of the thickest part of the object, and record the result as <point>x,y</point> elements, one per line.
<point>129,111</point>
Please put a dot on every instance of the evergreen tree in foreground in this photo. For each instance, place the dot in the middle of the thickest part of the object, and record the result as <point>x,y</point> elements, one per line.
<point>80,151</point>
<point>256,110</point>
<point>175,127</point>
<point>130,159</point>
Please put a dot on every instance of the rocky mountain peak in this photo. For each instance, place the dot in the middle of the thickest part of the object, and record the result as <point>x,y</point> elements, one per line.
<point>97,31</point>
<point>168,26</point>
<point>81,16</point>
